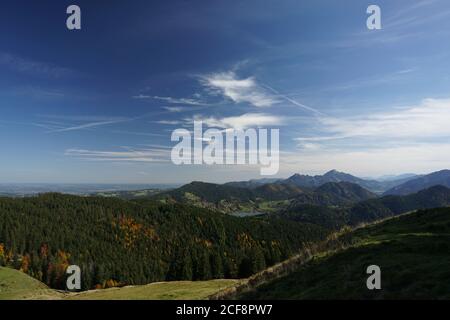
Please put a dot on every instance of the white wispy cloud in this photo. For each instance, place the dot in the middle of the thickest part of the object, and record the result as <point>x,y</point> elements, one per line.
<point>418,158</point>
<point>137,133</point>
<point>88,125</point>
<point>429,119</point>
<point>404,23</point>
<point>142,96</point>
<point>169,122</point>
<point>28,66</point>
<point>57,123</point>
<point>309,146</point>
<point>417,14</point>
<point>397,76</point>
<point>173,109</point>
<point>239,90</point>
<point>124,154</point>
<point>414,138</point>
<point>37,92</point>
<point>186,101</point>
<point>244,121</point>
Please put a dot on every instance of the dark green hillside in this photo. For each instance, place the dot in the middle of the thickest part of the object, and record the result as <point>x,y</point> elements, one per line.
<point>263,198</point>
<point>215,193</point>
<point>331,194</point>
<point>345,192</point>
<point>274,192</point>
<point>117,242</point>
<point>374,209</point>
<point>323,216</point>
<point>251,183</point>
<point>413,252</point>
<point>365,211</point>
<point>209,195</point>
<point>316,199</point>
<point>227,198</point>
<point>210,192</point>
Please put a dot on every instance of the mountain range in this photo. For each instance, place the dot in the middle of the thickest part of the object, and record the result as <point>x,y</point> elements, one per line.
<point>386,185</point>
<point>334,188</point>
<point>419,183</point>
<point>376,186</point>
<point>306,181</point>
<point>183,233</point>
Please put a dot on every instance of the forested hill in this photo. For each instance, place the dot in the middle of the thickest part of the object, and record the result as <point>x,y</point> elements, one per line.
<point>264,198</point>
<point>210,192</point>
<point>117,242</point>
<point>369,210</point>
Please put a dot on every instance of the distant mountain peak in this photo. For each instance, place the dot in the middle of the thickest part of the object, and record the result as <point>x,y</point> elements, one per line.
<point>443,172</point>
<point>336,173</point>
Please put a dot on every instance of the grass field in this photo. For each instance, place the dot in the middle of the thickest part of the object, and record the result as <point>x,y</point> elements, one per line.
<point>15,285</point>
<point>177,290</point>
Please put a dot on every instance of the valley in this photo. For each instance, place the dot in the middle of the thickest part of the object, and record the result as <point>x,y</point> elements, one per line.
<point>334,188</point>
<point>194,241</point>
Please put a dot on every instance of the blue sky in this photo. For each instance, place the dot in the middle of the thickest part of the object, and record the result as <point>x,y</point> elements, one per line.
<point>99,105</point>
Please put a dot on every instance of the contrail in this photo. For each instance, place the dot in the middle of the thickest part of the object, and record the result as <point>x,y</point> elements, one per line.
<point>95,124</point>
<point>298,104</point>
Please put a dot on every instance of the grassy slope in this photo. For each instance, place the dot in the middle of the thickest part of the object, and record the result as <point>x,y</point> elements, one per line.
<point>15,285</point>
<point>177,290</point>
<point>413,252</point>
